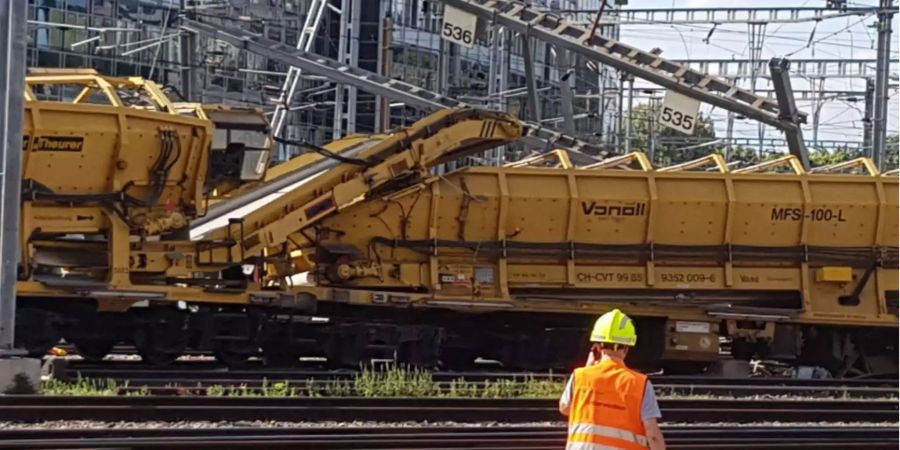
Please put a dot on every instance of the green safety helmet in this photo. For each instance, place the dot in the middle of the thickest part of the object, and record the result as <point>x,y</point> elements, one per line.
<point>614,327</point>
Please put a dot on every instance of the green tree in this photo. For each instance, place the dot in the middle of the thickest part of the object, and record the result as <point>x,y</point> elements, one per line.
<point>820,157</point>
<point>891,160</point>
<point>673,147</point>
<point>746,156</point>
<point>824,158</point>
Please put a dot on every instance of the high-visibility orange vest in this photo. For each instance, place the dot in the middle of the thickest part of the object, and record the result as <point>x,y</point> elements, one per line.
<point>606,408</point>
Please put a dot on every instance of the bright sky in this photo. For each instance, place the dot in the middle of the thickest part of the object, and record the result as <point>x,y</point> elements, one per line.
<point>843,38</point>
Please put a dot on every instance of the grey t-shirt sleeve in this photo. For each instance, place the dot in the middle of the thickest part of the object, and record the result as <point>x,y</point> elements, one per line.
<point>650,407</point>
<point>566,399</point>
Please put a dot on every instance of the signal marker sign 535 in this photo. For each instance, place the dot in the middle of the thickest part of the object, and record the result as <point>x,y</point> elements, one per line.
<point>679,112</point>
<point>459,26</point>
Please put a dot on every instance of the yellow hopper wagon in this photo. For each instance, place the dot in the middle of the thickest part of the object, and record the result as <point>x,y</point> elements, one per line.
<point>384,255</point>
<point>513,263</point>
<point>110,164</point>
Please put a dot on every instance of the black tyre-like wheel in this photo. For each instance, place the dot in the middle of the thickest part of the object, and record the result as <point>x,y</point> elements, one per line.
<point>235,354</point>
<point>279,356</point>
<point>161,336</point>
<point>457,359</point>
<point>156,357</point>
<point>93,349</point>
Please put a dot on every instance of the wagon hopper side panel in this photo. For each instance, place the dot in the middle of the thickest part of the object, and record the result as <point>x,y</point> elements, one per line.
<point>749,253</point>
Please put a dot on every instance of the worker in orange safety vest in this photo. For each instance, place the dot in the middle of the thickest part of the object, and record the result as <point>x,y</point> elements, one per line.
<point>609,405</point>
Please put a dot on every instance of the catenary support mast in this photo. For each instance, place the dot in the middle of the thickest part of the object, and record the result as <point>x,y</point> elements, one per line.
<point>885,15</point>
<point>12,111</point>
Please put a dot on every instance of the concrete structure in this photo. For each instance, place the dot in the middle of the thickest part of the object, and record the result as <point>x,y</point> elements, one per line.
<point>20,376</point>
<point>17,375</point>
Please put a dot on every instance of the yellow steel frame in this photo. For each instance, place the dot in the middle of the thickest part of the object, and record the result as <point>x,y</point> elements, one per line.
<point>624,161</point>
<point>560,157</point>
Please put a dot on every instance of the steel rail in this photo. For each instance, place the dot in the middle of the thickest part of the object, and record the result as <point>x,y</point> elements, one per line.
<point>194,408</point>
<point>438,437</point>
<point>168,382</point>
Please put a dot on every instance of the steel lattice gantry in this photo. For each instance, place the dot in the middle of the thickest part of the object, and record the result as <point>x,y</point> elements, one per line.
<point>556,31</point>
<point>416,97</point>
<point>651,67</point>
<point>292,80</point>
<point>813,68</point>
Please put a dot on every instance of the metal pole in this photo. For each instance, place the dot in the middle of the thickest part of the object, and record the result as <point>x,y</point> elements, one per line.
<point>531,84</point>
<point>387,63</point>
<point>340,93</point>
<point>755,39</point>
<point>493,65</point>
<point>779,69</point>
<point>601,102</point>
<point>188,54</point>
<point>867,120</point>
<point>885,14</point>
<point>353,60</point>
<point>565,91</point>
<point>630,116</point>
<point>619,110</point>
<point>652,151</point>
<point>597,17</point>
<point>729,136</point>
<point>443,76</point>
<point>818,103</point>
<point>12,112</point>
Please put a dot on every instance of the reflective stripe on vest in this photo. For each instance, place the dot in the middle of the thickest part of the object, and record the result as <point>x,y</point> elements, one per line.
<point>604,431</point>
<point>589,446</point>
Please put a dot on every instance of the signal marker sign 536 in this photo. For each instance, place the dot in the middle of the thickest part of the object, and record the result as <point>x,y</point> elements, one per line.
<point>459,26</point>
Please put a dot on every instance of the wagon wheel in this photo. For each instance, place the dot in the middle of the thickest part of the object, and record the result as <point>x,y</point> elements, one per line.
<point>235,354</point>
<point>93,349</point>
<point>161,336</point>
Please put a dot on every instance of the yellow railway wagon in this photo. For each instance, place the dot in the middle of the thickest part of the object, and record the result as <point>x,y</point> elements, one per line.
<point>110,164</point>
<point>787,265</point>
<point>509,263</point>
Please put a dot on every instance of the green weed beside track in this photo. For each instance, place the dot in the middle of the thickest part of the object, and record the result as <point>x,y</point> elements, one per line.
<point>399,382</point>
<point>396,382</point>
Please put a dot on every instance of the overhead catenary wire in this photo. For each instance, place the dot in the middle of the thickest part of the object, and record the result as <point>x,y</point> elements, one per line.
<point>811,42</point>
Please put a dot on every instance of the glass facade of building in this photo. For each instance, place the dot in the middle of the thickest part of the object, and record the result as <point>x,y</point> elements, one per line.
<point>396,37</point>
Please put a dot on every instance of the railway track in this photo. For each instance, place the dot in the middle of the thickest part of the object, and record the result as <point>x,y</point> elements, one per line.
<point>450,437</point>
<point>210,369</point>
<point>257,387</point>
<point>718,391</point>
<point>344,409</point>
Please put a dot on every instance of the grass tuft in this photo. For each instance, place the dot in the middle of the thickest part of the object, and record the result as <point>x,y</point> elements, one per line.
<point>82,387</point>
<point>397,381</point>
<point>371,381</point>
